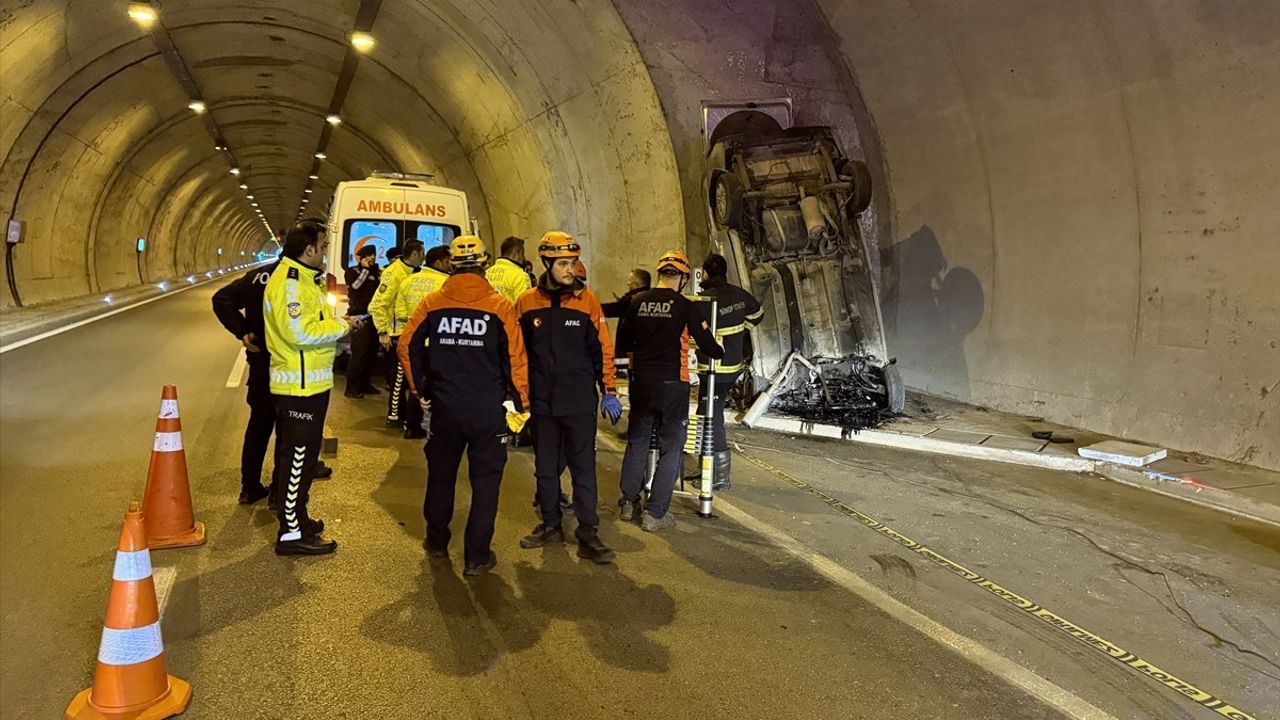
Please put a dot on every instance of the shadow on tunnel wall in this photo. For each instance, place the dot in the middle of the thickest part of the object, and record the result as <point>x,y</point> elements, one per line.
<point>929,310</point>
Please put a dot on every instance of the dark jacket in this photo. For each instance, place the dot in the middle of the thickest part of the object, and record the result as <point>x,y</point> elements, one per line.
<point>462,350</point>
<point>238,307</point>
<point>656,335</point>
<point>362,283</point>
<point>570,349</point>
<point>735,310</point>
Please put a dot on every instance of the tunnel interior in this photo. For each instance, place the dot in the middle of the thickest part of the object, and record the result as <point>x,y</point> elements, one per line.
<point>1076,213</point>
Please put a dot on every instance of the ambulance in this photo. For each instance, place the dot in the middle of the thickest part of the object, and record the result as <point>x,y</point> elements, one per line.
<point>385,211</point>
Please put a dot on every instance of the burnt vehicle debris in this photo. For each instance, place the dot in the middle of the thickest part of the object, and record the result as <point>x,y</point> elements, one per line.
<point>783,206</point>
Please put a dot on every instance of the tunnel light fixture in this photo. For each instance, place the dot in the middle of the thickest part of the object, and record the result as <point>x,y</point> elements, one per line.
<point>250,196</point>
<point>220,147</point>
<point>108,300</point>
<point>334,120</point>
<point>321,156</point>
<point>197,106</point>
<point>235,171</point>
<point>243,186</point>
<point>164,286</point>
<point>314,177</point>
<point>362,41</point>
<point>254,204</point>
<point>143,13</point>
<point>307,190</point>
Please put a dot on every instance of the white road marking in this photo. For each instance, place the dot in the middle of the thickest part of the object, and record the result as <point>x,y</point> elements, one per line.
<point>164,578</point>
<point>238,368</point>
<point>989,660</point>
<point>44,335</point>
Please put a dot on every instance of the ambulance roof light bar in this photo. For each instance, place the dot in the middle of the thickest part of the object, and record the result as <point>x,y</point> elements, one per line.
<point>427,177</point>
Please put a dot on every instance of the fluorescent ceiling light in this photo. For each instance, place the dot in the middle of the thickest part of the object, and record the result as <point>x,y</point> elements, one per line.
<point>321,156</point>
<point>143,13</point>
<point>362,41</point>
<point>333,120</point>
<point>197,106</point>
<point>235,171</point>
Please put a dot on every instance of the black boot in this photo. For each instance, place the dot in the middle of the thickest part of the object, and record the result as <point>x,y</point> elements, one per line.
<point>314,545</point>
<point>590,548</point>
<point>542,535</point>
<point>251,494</point>
<point>323,472</point>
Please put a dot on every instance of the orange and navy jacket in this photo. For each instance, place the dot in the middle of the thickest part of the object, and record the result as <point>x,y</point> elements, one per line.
<point>570,349</point>
<point>463,351</point>
<point>656,335</point>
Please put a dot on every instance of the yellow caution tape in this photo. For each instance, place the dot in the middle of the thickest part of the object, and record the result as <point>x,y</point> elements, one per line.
<point>1051,618</point>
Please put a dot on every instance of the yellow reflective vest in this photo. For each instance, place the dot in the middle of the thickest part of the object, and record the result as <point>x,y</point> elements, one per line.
<point>414,288</point>
<point>509,279</point>
<point>302,334</point>
<point>382,308</point>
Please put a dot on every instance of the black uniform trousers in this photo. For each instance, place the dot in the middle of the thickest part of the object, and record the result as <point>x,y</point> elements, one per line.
<point>724,383</point>
<point>262,421</point>
<point>299,434</point>
<point>484,440</point>
<point>400,407</point>
<point>559,441</point>
<point>364,353</point>
<point>664,404</point>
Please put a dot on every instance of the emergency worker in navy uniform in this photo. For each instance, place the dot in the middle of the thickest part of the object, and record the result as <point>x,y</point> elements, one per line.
<point>656,337</point>
<point>570,366</point>
<point>362,281</point>
<point>464,356</point>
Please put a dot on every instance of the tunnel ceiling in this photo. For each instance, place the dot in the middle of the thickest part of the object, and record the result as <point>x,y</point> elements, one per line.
<point>542,111</point>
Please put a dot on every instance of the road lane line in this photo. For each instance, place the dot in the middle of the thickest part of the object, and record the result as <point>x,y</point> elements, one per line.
<point>238,368</point>
<point>989,660</point>
<point>44,335</point>
<point>1115,652</point>
<point>164,578</point>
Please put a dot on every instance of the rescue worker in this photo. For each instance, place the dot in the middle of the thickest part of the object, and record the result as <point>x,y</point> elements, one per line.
<point>735,310</point>
<point>656,337</point>
<point>464,355</point>
<point>570,364</point>
<point>638,282</point>
<point>507,275</point>
<point>362,281</point>
<point>433,274</point>
<point>238,307</point>
<point>382,309</point>
<point>302,338</point>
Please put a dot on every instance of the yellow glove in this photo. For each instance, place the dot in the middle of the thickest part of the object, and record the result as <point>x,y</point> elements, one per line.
<point>516,421</point>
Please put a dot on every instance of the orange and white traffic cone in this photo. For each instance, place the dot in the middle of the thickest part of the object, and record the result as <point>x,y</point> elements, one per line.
<point>166,505</point>
<point>131,682</point>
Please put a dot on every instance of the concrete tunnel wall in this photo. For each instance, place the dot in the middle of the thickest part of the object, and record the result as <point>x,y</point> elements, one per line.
<point>1076,210</point>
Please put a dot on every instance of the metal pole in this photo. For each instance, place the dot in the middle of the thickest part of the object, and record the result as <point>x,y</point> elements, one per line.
<point>706,453</point>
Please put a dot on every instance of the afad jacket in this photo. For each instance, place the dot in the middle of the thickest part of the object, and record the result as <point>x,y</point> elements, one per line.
<point>570,349</point>
<point>463,351</point>
<point>302,334</point>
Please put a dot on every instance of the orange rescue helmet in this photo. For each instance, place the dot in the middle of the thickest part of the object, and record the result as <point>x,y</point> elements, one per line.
<point>675,261</point>
<point>558,244</point>
<point>467,251</point>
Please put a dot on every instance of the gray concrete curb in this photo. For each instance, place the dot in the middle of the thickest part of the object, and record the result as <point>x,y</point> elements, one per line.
<point>1203,495</point>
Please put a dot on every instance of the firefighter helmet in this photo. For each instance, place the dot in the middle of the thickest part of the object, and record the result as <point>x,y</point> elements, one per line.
<point>467,251</point>
<point>557,244</point>
<point>675,261</point>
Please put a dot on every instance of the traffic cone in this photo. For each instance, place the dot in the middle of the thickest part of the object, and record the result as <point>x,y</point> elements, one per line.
<point>130,682</point>
<point>166,505</point>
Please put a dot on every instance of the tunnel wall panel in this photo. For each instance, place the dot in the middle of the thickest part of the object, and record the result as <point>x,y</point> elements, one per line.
<point>1086,207</point>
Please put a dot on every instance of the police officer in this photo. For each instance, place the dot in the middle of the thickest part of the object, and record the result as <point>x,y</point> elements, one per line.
<point>382,309</point>
<point>570,360</point>
<point>507,275</point>
<point>238,307</point>
<point>735,310</point>
<point>362,280</point>
<point>464,355</point>
<point>656,338</point>
<point>302,338</point>
<point>434,271</point>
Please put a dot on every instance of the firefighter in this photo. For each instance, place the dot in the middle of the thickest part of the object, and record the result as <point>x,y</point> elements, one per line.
<point>507,275</point>
<point>302,338</point>
<point>735,310</point>
<point>570,365</point>
<point>362,279</point>
<point>434,272</point>
<point>464,356</point>
<point>382,309</point>
<point>656,339</point>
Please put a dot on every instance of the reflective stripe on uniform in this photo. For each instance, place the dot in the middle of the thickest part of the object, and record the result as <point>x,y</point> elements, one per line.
<point>168,442</point>
<point>132,646</point>
<point>722,369</point>
<point>131,566</point>
<point>314,376</point>
<point>286,377</point>
<point>732,330</point>
<point>294,530</point>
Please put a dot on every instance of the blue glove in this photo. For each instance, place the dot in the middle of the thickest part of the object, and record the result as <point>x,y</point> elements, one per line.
<point>611,407</point>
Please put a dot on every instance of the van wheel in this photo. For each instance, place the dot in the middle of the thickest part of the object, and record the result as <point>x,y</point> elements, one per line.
<point>860,176</point>
<point>726,200</point>
<point>895,392</point>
